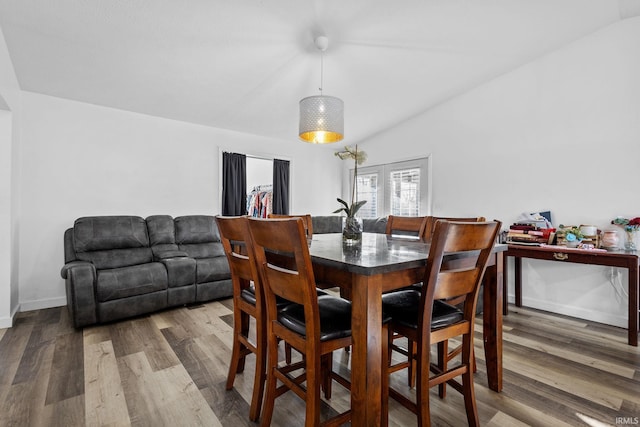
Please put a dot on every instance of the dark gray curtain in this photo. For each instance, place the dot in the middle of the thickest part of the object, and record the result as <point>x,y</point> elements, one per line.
<point>234,184</point>
<point>281,187</point>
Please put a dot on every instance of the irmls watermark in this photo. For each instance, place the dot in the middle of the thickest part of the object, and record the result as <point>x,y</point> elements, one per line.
<point>627,421</point>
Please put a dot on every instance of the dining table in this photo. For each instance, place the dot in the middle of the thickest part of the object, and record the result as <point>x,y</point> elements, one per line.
<point>380,263</point>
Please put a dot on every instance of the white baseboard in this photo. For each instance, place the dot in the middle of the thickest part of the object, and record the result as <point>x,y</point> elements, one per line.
<point>619,320</point>
<point>42,303</point>
<point>7,322</point>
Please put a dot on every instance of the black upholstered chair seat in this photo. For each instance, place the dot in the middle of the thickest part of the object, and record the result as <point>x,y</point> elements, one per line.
<point>403,307</point>
<point>335,317</point>
<point>249,295</point>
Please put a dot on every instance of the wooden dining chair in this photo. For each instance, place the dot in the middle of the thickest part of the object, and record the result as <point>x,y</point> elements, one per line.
<point>306,220</point>
<point>248,301</point>
<point>314,325</point>
<point>444,354</point>
<point>308,228</point>
<point>431,223</point>
<point>424,317</point>
<point>413,226</point>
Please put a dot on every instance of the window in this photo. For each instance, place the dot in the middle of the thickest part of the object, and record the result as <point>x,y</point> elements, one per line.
<point>400,188</point>
<point>368,190</point>
<point>405,192</point>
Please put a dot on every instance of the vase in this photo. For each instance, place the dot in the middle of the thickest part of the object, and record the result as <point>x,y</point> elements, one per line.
<point>352,251</point>
<point>630,243</point>
<point>351,230</point>
<point>610,240</point>
<point>573,243</point>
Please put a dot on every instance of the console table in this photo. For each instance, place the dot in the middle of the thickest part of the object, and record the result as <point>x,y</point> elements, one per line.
<point>628,260</point>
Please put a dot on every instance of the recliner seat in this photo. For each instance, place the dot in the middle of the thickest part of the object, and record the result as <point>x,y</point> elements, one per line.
<point>123,266</point>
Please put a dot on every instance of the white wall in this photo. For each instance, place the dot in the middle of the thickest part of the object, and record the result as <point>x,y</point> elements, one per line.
<point>561,133</point>
<point>80,159</point>
<point>6,306</point>
<point>10,113</point>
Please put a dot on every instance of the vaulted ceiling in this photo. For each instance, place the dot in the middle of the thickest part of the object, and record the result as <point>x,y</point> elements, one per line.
<point>245,64</point>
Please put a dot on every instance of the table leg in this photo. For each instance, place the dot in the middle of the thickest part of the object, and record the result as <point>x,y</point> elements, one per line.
<point>517,275</point>
<point>366,354</point>
<point>492,322</point>
<point>633,304</point>
<point>505,286</point>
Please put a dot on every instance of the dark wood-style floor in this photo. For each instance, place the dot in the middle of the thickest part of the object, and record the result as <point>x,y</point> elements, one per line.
<point>170,369</point>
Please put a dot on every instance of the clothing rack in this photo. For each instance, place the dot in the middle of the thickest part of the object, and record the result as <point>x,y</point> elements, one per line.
<point>260,201</point>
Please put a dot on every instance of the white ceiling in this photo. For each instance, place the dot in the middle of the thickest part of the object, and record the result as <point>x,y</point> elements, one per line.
<point>245,64</point>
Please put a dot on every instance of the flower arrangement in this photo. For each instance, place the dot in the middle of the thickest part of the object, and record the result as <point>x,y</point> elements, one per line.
<point>571,233</point>
<point>630,226</point>
<point>358,157</point>
<point>352,225</point>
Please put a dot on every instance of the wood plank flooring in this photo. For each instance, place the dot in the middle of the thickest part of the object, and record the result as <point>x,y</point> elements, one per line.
<point>170,368</point>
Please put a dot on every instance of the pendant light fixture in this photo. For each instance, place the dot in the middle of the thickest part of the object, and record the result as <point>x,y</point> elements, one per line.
<point>321,116</point>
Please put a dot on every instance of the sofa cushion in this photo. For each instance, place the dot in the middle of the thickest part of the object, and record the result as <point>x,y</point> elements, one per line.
<point>333,224</point>
<point>126,282</point>
<point>109,311</point>
<point>161,230</point>
<point>203,250</point>
<point>196,229</point>
<point>109,232</point>
<point>212,269</point>
<point>111,241</point>
<point>374,225</point>
<point>162,236</point>
<point>326,224</point>
<point>116,258</point>
<point>198,236</point>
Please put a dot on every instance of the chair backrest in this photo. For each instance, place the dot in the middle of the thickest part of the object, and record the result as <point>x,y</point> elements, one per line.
<point>469,244</point>
<point>306,220</point>
<point>406,225</point>
<point>293,281</point>
<point>431,223</point>
<point>238,247</point>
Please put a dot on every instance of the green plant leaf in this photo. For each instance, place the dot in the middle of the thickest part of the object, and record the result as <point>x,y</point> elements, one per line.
<point>345,204</point>
<point>356,207</point>
<point>344,209</point>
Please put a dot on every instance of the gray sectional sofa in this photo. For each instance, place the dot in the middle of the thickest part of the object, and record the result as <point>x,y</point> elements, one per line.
<point>123,266</point>
<point>333,224</point>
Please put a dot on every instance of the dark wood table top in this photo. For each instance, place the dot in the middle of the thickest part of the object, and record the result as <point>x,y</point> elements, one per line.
<point>376,254</point>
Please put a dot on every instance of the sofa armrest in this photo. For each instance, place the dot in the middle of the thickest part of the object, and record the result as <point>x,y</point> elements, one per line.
<point>160,256</point>
<point>181,271</point>
<point>74,264</point>
<point>80,283</point>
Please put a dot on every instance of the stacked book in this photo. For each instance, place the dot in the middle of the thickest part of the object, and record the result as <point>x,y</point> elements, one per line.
<point>529,234</point>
